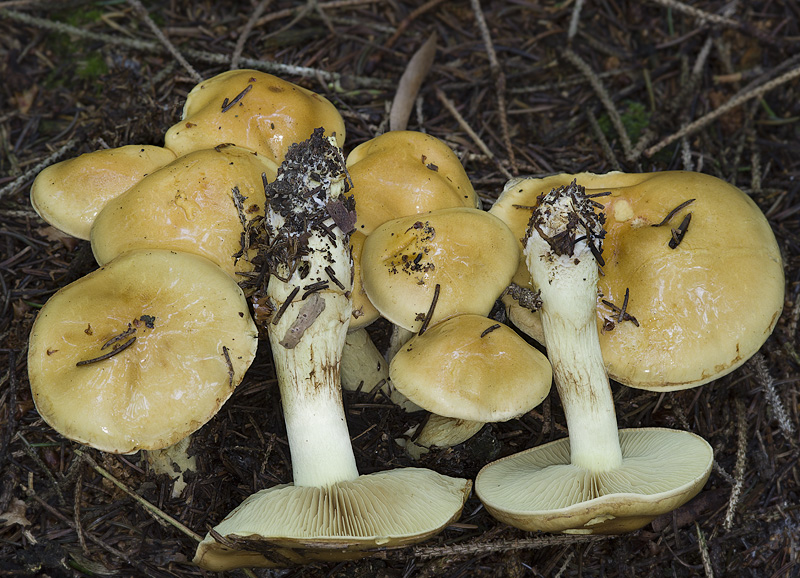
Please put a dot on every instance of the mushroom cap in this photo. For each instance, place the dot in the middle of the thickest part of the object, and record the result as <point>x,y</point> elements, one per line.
<point>70,194</point>
<point>194,340</point>
<point>437,431</point>
<point>188,206</point>
<point>704,307</point>
<point>364,311</point>
<point>469,253</point>
<point>289,524</point>
<point>539,490</point>
<point>272,115</point>
<point>472,368</point>
<point>402,173</point>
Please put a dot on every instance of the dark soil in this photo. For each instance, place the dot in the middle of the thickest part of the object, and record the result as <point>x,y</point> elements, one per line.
<point>81,75</point>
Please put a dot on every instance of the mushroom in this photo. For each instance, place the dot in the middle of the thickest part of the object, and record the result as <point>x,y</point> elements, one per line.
<point>420,269</point>
<point>396,174</point>
<point>472,370</point>
<point>599,479</point>
<point>364,311</point>
<point>253,110</point>
<point>402,173</point>
<point>70,194</point>
<point>330,511</point>
<point>199,203</point>
<point>686,301</point>
<point>141,352</point>
<point>362,368</point>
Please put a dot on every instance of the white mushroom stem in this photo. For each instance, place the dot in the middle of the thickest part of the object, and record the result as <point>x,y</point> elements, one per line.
<point>568,285</point>
<point>308,256</point>
<point>308,376</point>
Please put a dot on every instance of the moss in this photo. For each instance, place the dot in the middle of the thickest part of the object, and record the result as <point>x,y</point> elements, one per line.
<point>635,118</point>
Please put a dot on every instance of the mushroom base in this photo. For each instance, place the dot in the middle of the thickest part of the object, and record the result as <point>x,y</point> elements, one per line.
<point>540,490</point>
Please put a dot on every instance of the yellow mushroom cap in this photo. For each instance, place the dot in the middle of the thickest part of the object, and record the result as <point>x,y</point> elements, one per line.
<point>287,524</point>
<point>470,254</point>
<point>254,110</point>
<point>180,338</point>
<point>401,173</point>
<point>540,490</point>
<point>472,368</point>
<point>189,205</point>
<point>702,308</point>
<point>364,311</point>
<point>70,194</point>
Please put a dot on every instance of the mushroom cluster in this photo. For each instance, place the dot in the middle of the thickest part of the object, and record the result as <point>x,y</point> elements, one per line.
<point>251,221</point>
<point>163,323</point>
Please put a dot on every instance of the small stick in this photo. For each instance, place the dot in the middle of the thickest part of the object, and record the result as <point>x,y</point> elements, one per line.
<point>161,516</point>
<point>429,314</point>
<point>108,355</point>
<point>226,106</point>
<point>499,81</point>
<point>734,102</point>
<point>120,337</point>
<point>448,104</point>
<point>139,7</point>
<point>313,288</point>
<point>680,232</point>
<point>489,329</point>
<point>622,314</point>
<point>227,355</point>
<point>285,305</point>
<point>332,275</point>
<point>673,212</point>
<point>246,30</point>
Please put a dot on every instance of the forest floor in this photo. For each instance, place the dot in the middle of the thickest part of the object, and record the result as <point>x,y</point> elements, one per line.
<point>515,88</point>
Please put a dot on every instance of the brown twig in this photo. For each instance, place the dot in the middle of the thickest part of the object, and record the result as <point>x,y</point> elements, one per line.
<point>499,80</point>
<point>605,98</point>
<point>142,11</point>
<point>451,108</point>
<point>734,102</point>
<point>160,516</point>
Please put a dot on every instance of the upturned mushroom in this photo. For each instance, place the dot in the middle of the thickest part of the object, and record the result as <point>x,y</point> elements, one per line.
<point>141,352</point>
<point>70,194</point>
<point>253,110</point>
<point>200,203</point>
<point>330,511</point>
<point>678,247</point>
<point>467,370</point>
<point>599,479</point>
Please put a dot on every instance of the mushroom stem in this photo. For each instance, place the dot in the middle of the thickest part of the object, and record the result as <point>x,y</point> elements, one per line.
<point>308,256</point>
<point>566,275</point>
<point>308,377</point>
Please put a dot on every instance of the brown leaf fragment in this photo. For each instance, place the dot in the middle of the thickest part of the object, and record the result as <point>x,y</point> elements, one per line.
<point>311,309</point>
<point>56,235</point>
<point>15,514</point>
<point>410,83</point>
<point>343,214</point>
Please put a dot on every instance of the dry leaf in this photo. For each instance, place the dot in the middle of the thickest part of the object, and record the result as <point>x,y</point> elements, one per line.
<point>53,234</point>
<point>15,514</point>
<point>410,82</point>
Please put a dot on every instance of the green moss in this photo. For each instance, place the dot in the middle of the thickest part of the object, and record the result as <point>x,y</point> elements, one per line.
<point>635,118</point>
<point>92,66</point>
